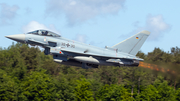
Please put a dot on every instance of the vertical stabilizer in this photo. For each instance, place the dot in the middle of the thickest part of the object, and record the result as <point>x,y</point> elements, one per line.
<point>132,44</point>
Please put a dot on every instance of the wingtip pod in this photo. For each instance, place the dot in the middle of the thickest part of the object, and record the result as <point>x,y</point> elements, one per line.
<point>145,32</point>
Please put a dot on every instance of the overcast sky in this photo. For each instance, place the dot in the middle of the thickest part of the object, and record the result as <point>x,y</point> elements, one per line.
<point>97,22</point>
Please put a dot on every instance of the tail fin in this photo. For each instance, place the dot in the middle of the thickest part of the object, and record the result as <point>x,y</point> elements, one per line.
<point>132,44</point>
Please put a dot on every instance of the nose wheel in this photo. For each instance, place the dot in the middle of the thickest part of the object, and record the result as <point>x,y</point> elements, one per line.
<point>47,51</point>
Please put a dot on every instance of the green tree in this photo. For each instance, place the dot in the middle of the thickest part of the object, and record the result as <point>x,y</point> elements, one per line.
<point>166,92</point>
<point>140,54</point>
<point>149,94</point>
<point>113,93</point>
<point>83,91</point>
<point>157,92</point>
<point>38,86</point>
<point>156,55</point>
<point>110,74</point>
<point>64,90</point>
<point>8,87</point>
<point>178,94</point>
<point>175,51</point>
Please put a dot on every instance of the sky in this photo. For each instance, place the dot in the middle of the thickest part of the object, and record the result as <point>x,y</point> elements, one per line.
<point>97,22</point>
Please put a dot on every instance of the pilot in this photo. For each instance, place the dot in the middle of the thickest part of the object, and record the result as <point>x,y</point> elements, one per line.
<point>46,33</point>
<point>42,32</point>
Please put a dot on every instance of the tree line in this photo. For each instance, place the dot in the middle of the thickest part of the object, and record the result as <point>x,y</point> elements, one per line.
<point>27,74</point>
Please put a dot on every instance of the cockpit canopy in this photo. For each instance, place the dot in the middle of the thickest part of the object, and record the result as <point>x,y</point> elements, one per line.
<point>44,33</point>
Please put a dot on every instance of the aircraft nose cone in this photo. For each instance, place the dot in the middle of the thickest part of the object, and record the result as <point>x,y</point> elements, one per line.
<point>17,37</point>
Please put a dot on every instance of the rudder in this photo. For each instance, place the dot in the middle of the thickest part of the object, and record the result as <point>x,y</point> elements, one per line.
<point>132,44</point>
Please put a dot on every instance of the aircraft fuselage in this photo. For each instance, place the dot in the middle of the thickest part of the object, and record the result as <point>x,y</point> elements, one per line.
<point>70,52</point>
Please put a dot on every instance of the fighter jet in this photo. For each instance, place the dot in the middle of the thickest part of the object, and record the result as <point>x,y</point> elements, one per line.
<point>69,52</point>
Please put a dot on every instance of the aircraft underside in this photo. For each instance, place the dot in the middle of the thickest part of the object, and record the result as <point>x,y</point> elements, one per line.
<point>87,62</point>
<point>73,62</point>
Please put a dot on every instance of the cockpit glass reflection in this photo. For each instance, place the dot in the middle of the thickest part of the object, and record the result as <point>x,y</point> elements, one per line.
<point>44,33</point>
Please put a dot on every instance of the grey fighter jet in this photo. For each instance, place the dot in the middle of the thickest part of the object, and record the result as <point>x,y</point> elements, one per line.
<point>74,53</point>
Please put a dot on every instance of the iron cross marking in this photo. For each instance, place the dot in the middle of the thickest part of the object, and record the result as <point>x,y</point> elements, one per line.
<point>67,44</point>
